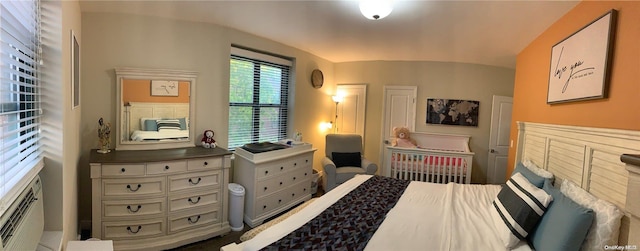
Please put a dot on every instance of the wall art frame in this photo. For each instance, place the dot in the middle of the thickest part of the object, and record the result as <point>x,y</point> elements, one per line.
<point>581,63</point>
<point>164,88</point>
<point>452,112</point>
<point>75,71</point>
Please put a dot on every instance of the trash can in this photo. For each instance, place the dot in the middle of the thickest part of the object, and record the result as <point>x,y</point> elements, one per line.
<point>315,178</point>
<point>236,206</point>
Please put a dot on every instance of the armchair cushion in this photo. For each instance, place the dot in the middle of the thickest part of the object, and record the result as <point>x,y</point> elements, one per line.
<point>346,159</point>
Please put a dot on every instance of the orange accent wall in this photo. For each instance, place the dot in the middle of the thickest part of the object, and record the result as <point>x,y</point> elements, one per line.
<point>135,90</point>
<point>621,110</point>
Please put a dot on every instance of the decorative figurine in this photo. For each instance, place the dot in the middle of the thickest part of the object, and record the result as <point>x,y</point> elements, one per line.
<point>104,130</point>
<point>207,139</point>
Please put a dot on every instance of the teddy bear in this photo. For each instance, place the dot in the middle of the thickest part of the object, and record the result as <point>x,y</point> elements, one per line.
<point>207,139</point>
<point>403,138</point>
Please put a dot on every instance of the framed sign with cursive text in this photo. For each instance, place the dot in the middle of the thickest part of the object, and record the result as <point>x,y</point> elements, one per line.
<point>580,64</point>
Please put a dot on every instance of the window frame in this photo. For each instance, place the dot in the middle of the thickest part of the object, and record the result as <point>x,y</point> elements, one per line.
<point>258,60</point>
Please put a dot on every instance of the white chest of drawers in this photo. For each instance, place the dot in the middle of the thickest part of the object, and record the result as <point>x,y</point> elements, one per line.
<point>160,199</point>
<point>274,181</point>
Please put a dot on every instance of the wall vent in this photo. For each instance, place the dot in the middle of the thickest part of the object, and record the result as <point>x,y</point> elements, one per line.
<point>23,223</point>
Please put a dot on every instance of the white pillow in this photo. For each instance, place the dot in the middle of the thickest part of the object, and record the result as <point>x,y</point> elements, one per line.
<point>537,170</point>
<point>606,225</point>
<point>517,209</point>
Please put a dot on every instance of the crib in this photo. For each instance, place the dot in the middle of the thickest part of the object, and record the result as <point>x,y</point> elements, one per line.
<point>440,158</point>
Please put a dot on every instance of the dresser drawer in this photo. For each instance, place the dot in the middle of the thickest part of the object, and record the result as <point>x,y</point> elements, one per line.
<point>122,170</point>
<point>272,202</point>
<point>194,220</point>
<point>133,229</point>
<point>277,168</point>
<point>205,163</point>
<point>211,179</point>
<point>124,208</point>
<point>273,185</point>
<point>166,167</point>
<point>193,200</point>
<point>133,187</point>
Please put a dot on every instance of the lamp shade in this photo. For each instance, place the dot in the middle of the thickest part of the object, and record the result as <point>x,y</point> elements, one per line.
<point>376,9</point>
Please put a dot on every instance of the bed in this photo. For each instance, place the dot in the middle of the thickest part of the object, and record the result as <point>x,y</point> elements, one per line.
<point>439,158</point>
<point>433,216</point>
<point>144,121</point>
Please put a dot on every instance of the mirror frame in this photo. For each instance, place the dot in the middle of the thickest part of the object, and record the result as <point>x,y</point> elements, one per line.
<point>154,74</point>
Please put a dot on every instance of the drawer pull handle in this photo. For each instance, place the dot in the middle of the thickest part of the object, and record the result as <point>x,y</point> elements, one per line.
<point>194,183</point>
<point>305,174</point>
<point>206,163</point>
<point>281,183</point>
<point>166,167</point>
<point>294,178</point>
<point>305,189</point>
<point>295,164</point>
<point>192,221</point>
<point>134,232</point>
<point>306,161</point>
<point>293,195</point>
<point>266,172</point>
<point>134,211</point>
<point>280,200</point>
<point>265,188</point>
<point>123,170</point>
<point>134,190</point>
<point>282,167</point>
<point>196,202</point>
<point>264,207</point>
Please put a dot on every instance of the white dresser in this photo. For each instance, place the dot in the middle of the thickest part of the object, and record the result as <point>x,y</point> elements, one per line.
<point>159,199</point>
<point>274,181</point>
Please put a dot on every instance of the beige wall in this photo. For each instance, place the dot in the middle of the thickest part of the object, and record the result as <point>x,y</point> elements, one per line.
<point>437,80</point>
<point>115,40</point>
<point>71,20</point>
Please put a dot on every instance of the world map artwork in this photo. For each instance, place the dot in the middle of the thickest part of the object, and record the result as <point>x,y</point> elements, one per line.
<point>452,112</point>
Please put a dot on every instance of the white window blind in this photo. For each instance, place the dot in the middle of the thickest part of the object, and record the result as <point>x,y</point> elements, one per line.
<point>258,97</point>
<point>20,151</point>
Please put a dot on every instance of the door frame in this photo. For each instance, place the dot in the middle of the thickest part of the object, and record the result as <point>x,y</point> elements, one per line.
<point>383,130</point>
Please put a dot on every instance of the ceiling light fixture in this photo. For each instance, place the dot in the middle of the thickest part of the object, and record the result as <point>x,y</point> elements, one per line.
<point>376,9</point>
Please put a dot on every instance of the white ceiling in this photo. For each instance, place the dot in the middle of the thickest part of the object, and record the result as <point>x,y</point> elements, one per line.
<point>482,32</point>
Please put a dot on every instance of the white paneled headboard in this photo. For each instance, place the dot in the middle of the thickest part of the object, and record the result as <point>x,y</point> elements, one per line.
<point>587,156</point>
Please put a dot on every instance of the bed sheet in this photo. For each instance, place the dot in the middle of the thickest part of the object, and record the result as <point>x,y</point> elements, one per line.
<point>428,216</point>
<point>155,135</point>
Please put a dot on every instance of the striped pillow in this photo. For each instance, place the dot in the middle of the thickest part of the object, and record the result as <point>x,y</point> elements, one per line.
<point>168,124</point>
<point>517,209</point>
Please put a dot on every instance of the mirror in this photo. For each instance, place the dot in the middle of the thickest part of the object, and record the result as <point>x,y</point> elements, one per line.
<point>155,109</point>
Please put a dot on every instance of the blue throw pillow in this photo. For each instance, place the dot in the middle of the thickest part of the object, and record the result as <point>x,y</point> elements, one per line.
<point>565,224</point>
<point>150,125</point>
<point>535,179</point>
<point>183,123</point>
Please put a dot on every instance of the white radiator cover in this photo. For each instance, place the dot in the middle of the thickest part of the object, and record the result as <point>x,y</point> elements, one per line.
<point>22,224</point>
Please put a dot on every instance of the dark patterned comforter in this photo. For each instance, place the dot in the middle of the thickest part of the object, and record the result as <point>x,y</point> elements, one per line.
<point>350,222</point>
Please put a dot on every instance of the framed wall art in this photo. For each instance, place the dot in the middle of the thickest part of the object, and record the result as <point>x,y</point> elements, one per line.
<point>164,88</point>
<point>75,71</point>
<point>452,112</point>
<point>581,63</point>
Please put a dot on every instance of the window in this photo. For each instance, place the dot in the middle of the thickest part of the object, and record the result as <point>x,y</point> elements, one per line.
<point>20,153</point>
<point>258,97</point>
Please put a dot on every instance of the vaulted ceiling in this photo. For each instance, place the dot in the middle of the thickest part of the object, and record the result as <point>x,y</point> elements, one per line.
<point>481,32</point>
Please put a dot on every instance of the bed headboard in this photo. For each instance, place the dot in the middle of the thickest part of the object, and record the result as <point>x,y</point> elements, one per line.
<point>137,110</point>
<point>589,157</point>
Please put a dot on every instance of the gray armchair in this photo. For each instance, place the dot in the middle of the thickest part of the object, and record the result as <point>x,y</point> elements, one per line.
<point>345,150</point>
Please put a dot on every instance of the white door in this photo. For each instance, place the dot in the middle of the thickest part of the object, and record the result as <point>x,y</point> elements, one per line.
<point>499,139</point>
<point>399,110</point>
<point>351,111</point>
